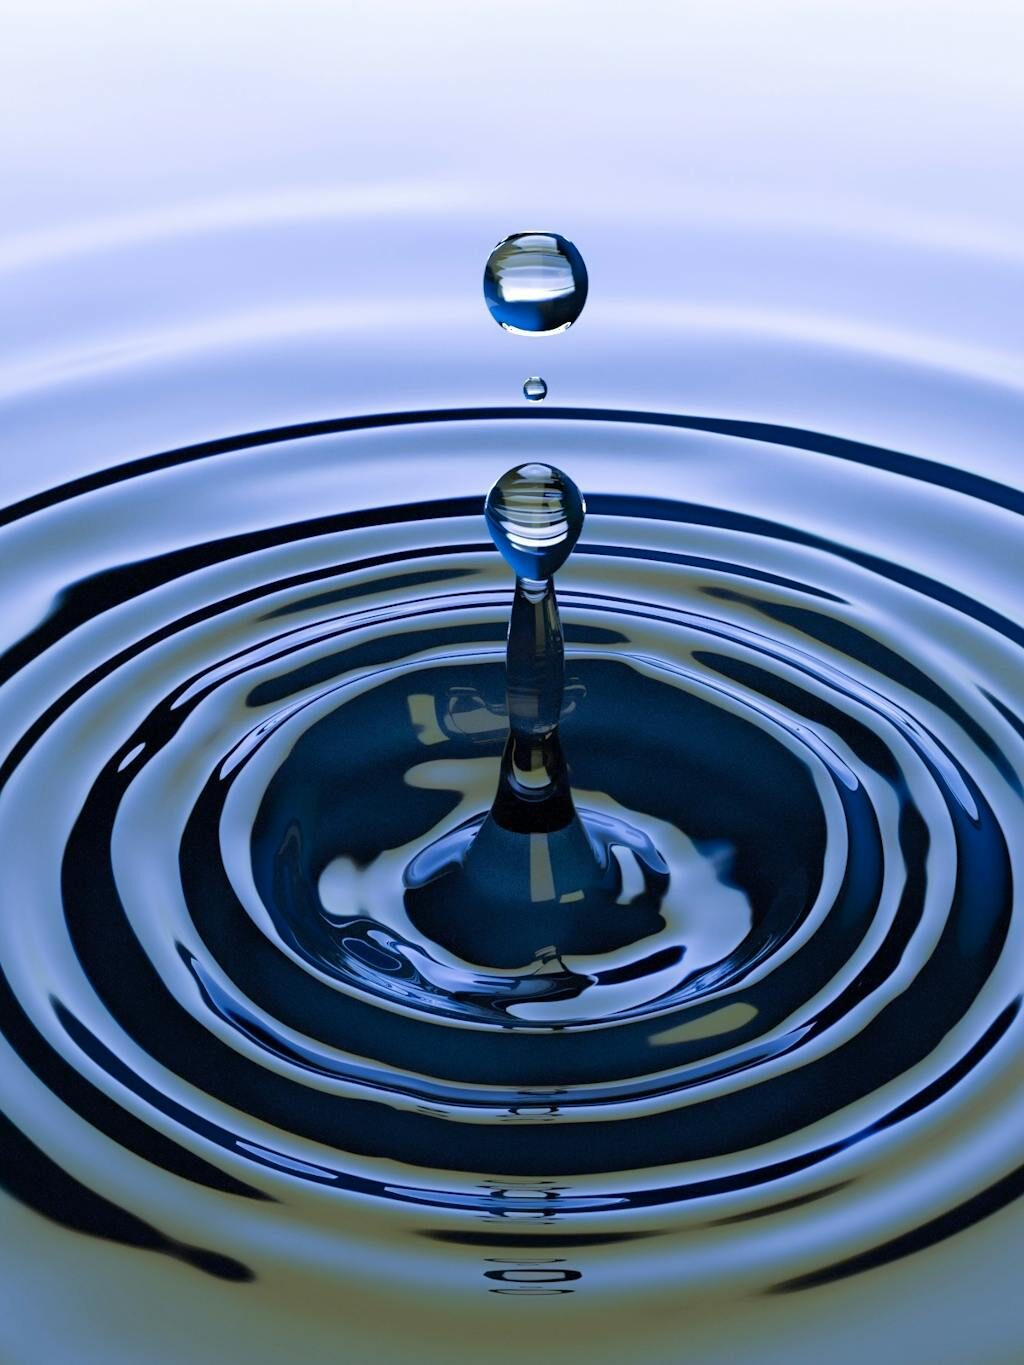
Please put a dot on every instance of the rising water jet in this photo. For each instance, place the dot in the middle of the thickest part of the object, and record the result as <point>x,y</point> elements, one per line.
<point>535,880</point>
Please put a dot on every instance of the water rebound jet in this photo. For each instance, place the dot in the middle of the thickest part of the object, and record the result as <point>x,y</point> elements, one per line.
<point>535,880</point>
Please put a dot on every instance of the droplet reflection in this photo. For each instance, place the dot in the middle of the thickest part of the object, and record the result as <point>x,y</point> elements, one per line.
<point>535,514</point>
<point>535,282</point>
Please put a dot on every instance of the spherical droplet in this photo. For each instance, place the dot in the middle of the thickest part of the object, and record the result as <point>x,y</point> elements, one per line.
<point>535,389</point>
<point>535,282</point>
<point>535,514</point>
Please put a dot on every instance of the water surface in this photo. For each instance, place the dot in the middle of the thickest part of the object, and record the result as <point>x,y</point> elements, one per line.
<point>253,633</point>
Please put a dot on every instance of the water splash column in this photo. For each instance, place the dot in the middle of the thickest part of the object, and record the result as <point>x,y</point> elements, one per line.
<point>535,515</point>
<point>532,879</point>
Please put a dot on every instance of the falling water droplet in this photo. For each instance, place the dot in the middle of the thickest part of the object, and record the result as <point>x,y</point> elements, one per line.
<point>535,514</point>
<point>535,282</point>
<point>535,389</point>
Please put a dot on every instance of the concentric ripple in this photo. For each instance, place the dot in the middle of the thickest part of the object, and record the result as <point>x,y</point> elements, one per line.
<point>246,683</point>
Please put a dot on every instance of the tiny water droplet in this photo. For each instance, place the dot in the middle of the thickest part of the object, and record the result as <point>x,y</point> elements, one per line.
<point>535,282</point>
<point>535,514</point>
<point>535,388</point>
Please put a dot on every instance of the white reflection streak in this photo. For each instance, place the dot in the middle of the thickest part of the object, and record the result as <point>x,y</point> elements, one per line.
<point>222,215</point>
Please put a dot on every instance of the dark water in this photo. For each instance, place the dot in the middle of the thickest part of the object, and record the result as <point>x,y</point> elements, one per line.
<point>249,683</point>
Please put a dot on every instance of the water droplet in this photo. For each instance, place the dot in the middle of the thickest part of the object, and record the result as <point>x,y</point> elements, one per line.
<point>535,282</point>
<point>535,389</point>
<point>535,514</point>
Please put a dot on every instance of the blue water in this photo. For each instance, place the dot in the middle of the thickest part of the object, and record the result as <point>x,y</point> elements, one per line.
<point>255,1100</point>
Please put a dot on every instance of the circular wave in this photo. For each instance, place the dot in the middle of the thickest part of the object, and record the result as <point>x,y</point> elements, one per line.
<point>252,679</point>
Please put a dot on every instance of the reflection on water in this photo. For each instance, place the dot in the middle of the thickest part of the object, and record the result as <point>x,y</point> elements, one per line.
<point>260,727</point>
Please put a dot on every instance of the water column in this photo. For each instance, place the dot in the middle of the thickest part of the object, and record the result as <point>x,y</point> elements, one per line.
<point>531,881</point>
